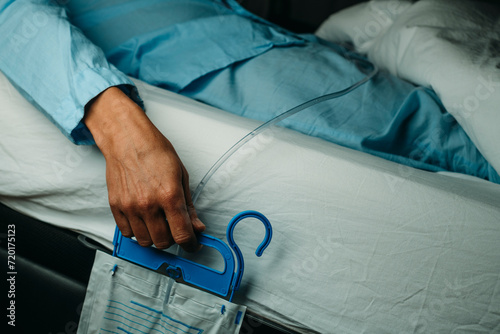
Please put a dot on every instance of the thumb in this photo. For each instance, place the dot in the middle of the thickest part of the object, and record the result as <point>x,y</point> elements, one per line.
<point>198,226</point>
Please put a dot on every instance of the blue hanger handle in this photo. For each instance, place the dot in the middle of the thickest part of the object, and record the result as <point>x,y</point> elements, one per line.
<point>218,282</point>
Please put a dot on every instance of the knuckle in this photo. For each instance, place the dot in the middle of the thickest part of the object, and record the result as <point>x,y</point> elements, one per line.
<point>137,204</point>
<point>127,234</point>
<point>183,239</point>
<point>163,244</point>
<point>145,243</point>
<point>144,203</point>
<point>126,231</point>
<point>168,194</point>
<point>126,205</point>
<point>114,202</point>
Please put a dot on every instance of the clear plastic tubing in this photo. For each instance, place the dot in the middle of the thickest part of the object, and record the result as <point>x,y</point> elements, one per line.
<point>277,119</point>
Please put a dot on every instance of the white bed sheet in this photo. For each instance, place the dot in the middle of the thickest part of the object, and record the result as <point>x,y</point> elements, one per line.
<point>361,245</point>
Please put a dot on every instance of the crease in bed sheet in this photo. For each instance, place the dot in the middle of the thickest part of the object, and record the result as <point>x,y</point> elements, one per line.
<point>234,61</point>
<point>368,234</point>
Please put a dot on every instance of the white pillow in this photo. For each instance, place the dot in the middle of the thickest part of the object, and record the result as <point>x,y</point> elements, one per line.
<point>451,46</point>
<point>363,23</point>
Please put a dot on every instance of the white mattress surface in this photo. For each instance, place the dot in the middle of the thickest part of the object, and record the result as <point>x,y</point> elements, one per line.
<point>360,245</point>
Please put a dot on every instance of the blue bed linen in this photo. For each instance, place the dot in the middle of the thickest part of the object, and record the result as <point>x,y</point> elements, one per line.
<point>171,43</point>
<point>233,60</point>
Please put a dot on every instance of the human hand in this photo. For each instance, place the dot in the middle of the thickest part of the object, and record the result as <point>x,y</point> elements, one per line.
<point>148,186</point>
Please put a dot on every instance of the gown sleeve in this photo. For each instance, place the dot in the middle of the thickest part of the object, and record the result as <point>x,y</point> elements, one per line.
<point>54,65</point>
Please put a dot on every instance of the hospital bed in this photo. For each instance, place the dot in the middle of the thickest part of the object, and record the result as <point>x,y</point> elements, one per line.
<point>361,244</point>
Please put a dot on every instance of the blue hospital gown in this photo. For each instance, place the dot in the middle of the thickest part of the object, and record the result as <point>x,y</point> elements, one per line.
<point>218,53</point>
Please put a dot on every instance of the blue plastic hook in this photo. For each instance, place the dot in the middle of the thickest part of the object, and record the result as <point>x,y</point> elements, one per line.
<point>260,250</point>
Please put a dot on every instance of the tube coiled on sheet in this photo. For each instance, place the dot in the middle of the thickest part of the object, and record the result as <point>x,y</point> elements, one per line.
<point>279,118</point>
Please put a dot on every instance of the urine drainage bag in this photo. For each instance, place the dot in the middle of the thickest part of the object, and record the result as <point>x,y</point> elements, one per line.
<point>125,298</point>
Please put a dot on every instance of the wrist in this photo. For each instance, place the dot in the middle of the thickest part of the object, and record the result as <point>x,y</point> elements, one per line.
<point>111,117</point>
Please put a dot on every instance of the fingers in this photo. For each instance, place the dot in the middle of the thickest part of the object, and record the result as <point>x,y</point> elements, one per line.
<point>148,226</point>
<point>174,222</point>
